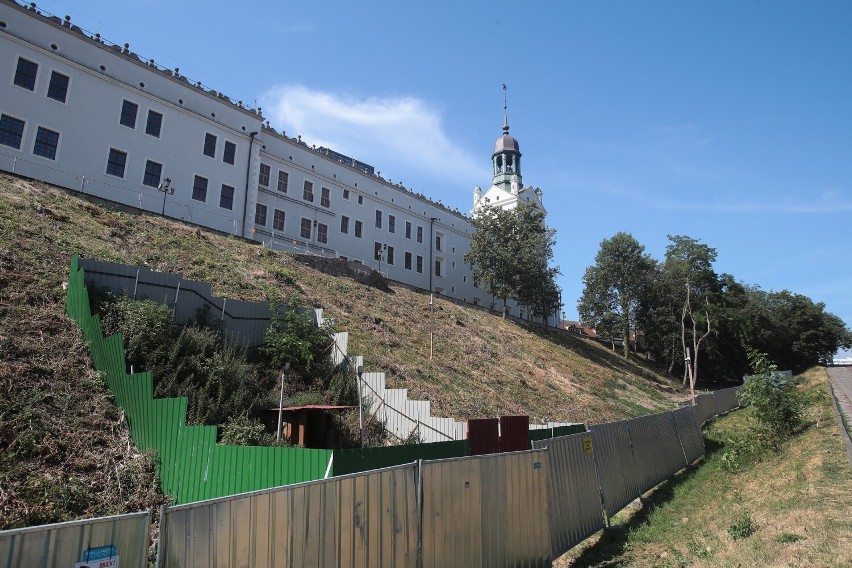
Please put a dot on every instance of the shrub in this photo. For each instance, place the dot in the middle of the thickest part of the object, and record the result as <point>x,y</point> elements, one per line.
<point>147,329</point>
<point>777,406</point>
<point>744,527</point>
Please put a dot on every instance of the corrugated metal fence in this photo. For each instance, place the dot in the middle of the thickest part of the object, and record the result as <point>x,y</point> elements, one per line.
<point>242,322</point>
<point>510,509</point>
<point>64,544</point>
<point>192,465</point>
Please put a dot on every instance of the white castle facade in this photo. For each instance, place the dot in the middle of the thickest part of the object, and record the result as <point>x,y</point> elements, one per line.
<point>81,113</point>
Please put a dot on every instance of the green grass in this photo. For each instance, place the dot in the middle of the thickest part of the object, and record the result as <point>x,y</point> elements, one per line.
<point>793,508</point>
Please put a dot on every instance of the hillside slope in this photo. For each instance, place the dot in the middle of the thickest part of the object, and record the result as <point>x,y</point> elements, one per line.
<point>54,409</point>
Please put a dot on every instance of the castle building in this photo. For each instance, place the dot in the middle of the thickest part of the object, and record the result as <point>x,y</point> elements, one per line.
<point>507,186</point>
<point>82,113</point>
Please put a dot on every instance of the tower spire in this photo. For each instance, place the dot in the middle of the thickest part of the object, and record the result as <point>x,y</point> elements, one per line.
<point>505,110</point>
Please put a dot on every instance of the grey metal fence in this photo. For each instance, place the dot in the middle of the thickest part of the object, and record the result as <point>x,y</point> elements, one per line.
<point>575,503</point>
<point>364,519</point>
<point>619,476</point>
<point>123,538</point>
<point>486,511</point>
<point>689,433</point>
<point>242,322</point>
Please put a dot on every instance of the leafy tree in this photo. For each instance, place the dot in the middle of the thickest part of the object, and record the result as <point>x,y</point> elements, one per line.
<point>511,250</point>
<point>294,338</point>
<point>214,376</point>
<point>690,267</point>
<point>147,329</point>
<point>614,285</point>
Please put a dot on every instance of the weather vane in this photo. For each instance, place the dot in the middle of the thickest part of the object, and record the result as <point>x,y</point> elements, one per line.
<point>505,107</point>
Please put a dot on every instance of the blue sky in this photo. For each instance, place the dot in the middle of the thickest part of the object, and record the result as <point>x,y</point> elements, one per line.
<point>730,122</point>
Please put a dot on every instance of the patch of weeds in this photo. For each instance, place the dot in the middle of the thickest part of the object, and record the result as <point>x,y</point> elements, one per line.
<point>788,537</point>
<point>740,453</point>
<point>744,527</point>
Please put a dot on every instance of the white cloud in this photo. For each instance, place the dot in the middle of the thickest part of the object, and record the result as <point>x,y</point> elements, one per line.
<point>394,133</point>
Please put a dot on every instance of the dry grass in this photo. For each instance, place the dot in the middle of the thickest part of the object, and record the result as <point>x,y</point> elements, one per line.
<point>483,365</point>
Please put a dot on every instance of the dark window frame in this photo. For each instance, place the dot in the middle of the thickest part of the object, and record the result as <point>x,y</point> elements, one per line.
<point>263,176</point>
<point>26,74</point>
<point>12,131</point>
<point>303,225</point>
<point>114,165</point>
<point>229,154</point>
<point>226,195</point>
<point>260,213</point>
<point>344,224</point>
<point>154,125</point>
<point>322,233</point>
<point>285,178</point>
<point>199,188</point>
<point>46,143</point>
<point>278,223</point>
<point>210,141</point>
<point>359,229</point>
<point>56,89</point>
<point>128,108</point>
<point>308,191</point>
<point>149,175</point>
<point>325,197</point>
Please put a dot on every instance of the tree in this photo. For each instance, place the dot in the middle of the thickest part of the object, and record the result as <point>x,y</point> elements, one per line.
<point>690,265</point>
<point>510,250</point>
<point>614,285</point>
<point>293,338</point>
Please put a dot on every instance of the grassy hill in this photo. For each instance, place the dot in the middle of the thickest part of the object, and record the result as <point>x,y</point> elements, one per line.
<point>57,419</point>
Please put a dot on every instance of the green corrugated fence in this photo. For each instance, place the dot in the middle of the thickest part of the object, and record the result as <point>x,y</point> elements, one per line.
<point>544,433</point>
<point>192,465</point>
<point>358,460</point>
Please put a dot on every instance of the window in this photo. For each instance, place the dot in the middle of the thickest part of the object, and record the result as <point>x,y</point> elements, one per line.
<point>389,255</point>
<point>116,163</point>
<point>153,171</point>
<point>360,200</point>
<point>345,194</point>
<point>377,251</point>
<point>391,224</point>
<point>230,153</point>
<point>278,218</point>
<point>325,198</point>
<point>260,215</point>
<point>209,145</point>
<point>226,198</point>
<point>408,229</point>
<point>25,74</point>
<point>322,233</point>
<point>308,191</point>
<point>305,230</point>
<point>438,241</point>
<point>344,225</point>
<point>378,219</point>
<point>58,88</point>
<point>199,189</point>
<point>46,143</point>
<point>419,234</point>
<point>128,114</point>
<point>358,228</point>
<point>437,267</point>
<point>11,131</point>
<point>263,179</point>
<point>154,124</point>
<point>283,180</point>
<point>408,261</point>
<point>419,264</point>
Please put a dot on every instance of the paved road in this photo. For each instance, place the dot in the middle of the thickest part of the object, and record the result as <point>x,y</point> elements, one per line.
<point>841,380</point>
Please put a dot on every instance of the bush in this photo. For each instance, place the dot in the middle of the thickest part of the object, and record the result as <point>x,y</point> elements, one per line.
<point>744,527</point>
<point>147,329</point>
<point>293,338</point>
<point>777,406</point>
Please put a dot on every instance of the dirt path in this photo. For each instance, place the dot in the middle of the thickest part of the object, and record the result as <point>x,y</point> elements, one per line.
<point>841,382</point>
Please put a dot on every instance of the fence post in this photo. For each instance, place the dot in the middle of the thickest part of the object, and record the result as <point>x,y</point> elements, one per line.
<point>419,513</point>
<point>174,305</point>
<point>161,538</point>
<point>136,284</point>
